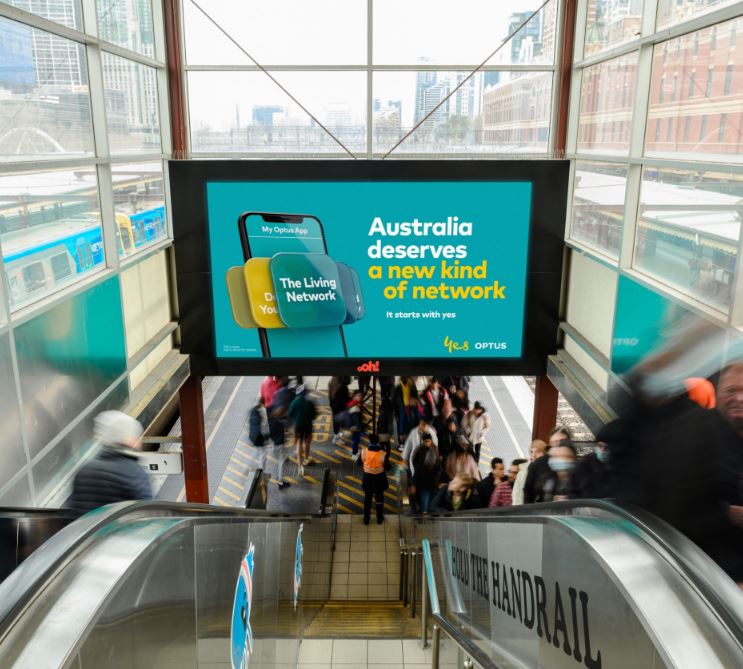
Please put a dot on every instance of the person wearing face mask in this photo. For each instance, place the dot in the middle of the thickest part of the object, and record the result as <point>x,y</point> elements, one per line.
<point>557,484</point>
<point>540,468</point>
<point>591,477</point>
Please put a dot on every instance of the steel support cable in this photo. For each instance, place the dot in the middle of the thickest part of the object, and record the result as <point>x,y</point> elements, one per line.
<point>272,78</point>
<point>467,78</point>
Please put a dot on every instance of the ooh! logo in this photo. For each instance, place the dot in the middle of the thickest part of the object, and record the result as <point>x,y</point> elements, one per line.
<point>368,367</point>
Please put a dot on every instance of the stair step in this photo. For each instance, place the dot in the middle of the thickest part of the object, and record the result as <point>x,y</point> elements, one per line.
<point>363,620</point>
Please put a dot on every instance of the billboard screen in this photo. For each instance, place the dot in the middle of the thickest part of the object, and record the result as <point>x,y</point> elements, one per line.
<point>325,266</point>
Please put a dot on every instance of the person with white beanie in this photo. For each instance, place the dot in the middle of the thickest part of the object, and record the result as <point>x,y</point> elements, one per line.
<point>114,474</point>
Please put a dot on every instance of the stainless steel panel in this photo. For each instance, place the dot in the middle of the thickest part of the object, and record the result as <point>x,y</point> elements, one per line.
<point>58,463</point>
<point>12,455</point>
<point>19,494</point>
<point>67,357</point>
<point>149,622</point>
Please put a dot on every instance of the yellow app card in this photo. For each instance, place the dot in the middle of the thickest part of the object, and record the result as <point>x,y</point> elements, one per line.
<point>238,293</point>
<point>261,294</point>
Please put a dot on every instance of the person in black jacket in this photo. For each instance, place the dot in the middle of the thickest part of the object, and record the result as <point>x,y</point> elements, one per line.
<point>338,397</point>
<point>386,427</point>
<point>427,473</point>
<point>114,475</point>
<point>591,476</point>
<point>539,469</point>
<point>486,486</point>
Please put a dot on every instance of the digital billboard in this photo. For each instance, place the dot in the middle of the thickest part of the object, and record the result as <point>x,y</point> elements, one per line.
<point>328,266</point>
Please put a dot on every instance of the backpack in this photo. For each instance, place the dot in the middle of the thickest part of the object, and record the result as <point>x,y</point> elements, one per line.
<point>255,435</point>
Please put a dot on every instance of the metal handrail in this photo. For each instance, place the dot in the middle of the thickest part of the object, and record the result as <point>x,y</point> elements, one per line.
<point>429,592</point>
<point>29,577</point>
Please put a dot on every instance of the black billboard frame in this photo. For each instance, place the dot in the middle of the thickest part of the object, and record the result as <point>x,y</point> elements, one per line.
<point>188,179</point>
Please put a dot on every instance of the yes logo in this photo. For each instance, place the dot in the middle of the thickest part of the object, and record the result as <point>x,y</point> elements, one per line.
<point>241,637</point>
<point>452,345</point>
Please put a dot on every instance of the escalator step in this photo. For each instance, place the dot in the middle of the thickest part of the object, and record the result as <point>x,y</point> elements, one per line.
<point>363,620</point>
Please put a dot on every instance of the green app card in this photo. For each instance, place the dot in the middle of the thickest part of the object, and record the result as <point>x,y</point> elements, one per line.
<point>308,290</point>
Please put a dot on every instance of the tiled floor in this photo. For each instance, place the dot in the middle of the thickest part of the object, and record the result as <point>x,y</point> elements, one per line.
<point>371,654</point>
<point>366,562</point>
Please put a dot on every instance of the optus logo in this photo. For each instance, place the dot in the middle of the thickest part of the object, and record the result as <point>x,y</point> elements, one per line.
<point>452,345</point>
<point>368,367</point>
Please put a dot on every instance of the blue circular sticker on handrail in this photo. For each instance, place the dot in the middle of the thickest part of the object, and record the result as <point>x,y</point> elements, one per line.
<point>241,636</point>
<point>298,566</point>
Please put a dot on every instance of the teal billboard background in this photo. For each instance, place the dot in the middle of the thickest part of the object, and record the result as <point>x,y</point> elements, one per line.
<point>399,325</point>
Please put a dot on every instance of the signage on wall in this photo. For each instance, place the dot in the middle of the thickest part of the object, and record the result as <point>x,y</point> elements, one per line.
<point>241,636</point>
<point>339,266</point>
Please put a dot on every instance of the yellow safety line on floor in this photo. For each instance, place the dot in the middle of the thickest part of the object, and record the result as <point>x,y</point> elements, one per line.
<point>343,455</point>
<point>239,486</point>
<point>236,472</point>
<point>240,462</point>
<point>350,499</point>
<point>344,508</point>
<point>213,434</point>
<point>357,491</point>
<point>290,479</point>
<point>229,493</point>
<point>221,502</point>
<point>310,479</point>
<point>326,457</point>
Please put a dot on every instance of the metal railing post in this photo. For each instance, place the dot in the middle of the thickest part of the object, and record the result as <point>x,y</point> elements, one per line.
<point>413,575</point>
<point>435,647</point>
<point>424,604</point>
<point>404,577</point>
<point>402,572</point>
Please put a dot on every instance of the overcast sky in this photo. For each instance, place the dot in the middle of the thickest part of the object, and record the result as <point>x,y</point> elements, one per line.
<point>332,32</point>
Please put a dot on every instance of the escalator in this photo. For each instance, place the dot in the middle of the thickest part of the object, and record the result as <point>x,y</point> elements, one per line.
<point>586,584</point>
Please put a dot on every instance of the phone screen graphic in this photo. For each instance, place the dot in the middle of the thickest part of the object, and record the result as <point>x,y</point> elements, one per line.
<point>264,236</point>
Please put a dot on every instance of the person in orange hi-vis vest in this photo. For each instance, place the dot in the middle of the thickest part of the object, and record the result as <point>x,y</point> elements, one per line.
<point>374,481</point>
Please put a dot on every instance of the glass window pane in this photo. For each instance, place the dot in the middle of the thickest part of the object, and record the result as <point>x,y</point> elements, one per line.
<point>432,31</point>
<point>671,12</point>
<point>695,93</point>
<point>609,24</point>
<point>247,112</point>
<point>131,106</point>
<point>67,12</point>
<point>497,112</point>
<point>607,97</point>
<point>598,205</point>
<point>688,231</point>
<point>50,231</point>
<point>44,99</point>
<point>127,23</point>
<point>139,201</point>
<point>280,32</point>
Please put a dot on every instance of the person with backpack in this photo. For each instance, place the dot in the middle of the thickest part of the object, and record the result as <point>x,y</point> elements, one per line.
<point>374,481</point>
<point>426,476</point>
<point>338,397</point>
<point>302,412</point>
<point>261,428</point>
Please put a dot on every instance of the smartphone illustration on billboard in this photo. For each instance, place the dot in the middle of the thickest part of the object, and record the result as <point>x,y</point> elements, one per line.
<point>265,234</point>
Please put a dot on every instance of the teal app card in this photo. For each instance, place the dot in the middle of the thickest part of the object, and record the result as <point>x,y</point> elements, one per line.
<point>308,290</point>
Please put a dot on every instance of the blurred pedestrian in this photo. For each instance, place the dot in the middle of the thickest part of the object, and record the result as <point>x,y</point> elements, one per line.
<point>461,494</point>
<point>269,386</point>
<point>374,481</point>
<point>114,474</point>
<point>476,426</point>
<point>539,469</point>
<point>404,398</point>
<point>386,427</point>
<point>426,478</point>
<point>502,494</point>
<point>489,483</point>
<point>591,477</point>
<point>536,450</point>
<point>302,412</point>
<point>355,419</point>
<point>338,397</point>
<point>462,461</point>
<point>436,404</point>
